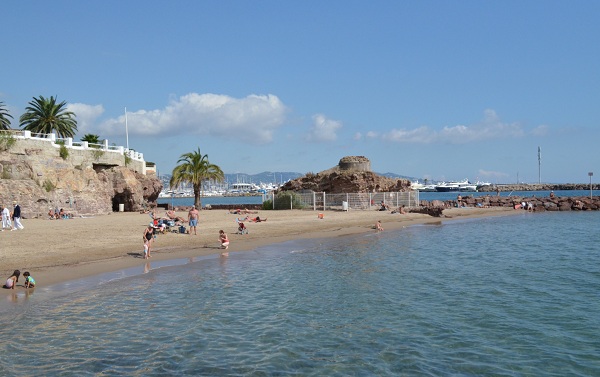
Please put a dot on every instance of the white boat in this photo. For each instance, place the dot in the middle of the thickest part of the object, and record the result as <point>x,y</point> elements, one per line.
<point>454,186</point>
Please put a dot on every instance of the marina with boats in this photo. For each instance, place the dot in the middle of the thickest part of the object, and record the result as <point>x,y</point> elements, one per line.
<point>451,186</point>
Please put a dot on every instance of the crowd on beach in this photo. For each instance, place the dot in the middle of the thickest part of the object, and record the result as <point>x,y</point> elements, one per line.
<point>59,214</point>
<point>163,224</point>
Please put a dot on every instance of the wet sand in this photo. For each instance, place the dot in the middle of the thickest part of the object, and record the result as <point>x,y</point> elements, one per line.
<point>56,251</point>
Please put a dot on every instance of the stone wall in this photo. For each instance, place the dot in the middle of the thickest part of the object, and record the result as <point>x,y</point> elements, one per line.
<point>355,163</point>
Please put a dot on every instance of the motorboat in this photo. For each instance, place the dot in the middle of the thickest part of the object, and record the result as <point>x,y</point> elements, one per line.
<point>455,186</point>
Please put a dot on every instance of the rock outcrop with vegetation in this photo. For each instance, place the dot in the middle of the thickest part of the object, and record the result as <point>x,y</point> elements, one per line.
<point>351,175</point>
<point>40,179</point>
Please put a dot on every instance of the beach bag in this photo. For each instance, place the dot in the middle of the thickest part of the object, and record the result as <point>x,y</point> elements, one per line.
<point>181,229</point>
<point>171,223</point>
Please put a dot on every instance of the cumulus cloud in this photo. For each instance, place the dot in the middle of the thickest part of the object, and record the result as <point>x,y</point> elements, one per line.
<point>85,115</point>
<point>252,119</point>
<point>323,129</point>
<point>491,127</point>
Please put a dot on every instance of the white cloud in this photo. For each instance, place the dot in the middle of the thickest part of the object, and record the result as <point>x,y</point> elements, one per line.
<point>86,116</point>
<point>540,130</point>
<point>250,119</point>
<point>323,129</point>
<point>489,128</point>
<point>492,174</point>
<point>358,136</point>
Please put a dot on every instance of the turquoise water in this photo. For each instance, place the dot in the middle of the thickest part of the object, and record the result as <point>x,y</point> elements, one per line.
<point>503,296</point>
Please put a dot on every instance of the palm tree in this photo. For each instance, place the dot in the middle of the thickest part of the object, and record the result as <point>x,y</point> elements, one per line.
<point>194,168</point>
<point>91,138</point>
<point>44,115</point>
<point>4,115</point>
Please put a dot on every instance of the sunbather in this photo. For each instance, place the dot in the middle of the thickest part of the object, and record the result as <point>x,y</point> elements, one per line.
<point>172,216</point>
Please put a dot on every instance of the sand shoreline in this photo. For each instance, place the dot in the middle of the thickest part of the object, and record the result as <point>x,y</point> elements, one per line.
<point>58,251</point>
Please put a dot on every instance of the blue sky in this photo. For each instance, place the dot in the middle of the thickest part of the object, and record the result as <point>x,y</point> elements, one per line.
<point>430,89</point>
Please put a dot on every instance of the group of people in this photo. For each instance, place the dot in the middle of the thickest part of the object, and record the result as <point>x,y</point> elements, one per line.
<point>12,219</point>
<point>13,279</point>
<point>193,217</point>
<point>59,214</point>
<point>386,207</point>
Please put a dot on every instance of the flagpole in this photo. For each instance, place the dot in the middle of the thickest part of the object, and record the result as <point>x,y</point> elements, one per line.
<point>126,132</point>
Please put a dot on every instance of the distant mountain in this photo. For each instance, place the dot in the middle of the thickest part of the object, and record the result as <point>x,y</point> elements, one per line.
<point>396,176</point>
<point>264,177</point>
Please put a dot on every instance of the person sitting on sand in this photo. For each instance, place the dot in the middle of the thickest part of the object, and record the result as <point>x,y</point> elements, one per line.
<point>12,280</point>
<point>384,207</point>
<point>173,216</point>
<point>242,228</point>
<point>378,226</point>
<point>400,210</point>
<point>29,280</point>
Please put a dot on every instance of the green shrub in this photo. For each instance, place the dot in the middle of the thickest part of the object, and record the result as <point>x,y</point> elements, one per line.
<point>48,185</point>
<point>285,200</point>
<point>6,141</point>
<point>63,152</point>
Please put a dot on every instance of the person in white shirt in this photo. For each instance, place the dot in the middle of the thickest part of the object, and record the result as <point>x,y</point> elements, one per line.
<point>6,218</point>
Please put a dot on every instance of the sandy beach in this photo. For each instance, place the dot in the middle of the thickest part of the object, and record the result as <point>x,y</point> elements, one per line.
<point>56,251</point>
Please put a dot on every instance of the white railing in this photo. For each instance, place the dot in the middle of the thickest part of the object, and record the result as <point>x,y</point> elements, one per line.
<point>321,201</point>
<point>79,145</point>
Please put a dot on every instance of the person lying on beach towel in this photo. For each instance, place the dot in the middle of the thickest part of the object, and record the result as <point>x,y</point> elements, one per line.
<point>257,219</point>
<point>173,216</point>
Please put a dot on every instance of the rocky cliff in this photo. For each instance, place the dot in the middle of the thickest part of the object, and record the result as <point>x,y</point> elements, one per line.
<point>39,179</point>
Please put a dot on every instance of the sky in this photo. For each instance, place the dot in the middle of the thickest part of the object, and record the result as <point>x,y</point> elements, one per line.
<point>437,90</point>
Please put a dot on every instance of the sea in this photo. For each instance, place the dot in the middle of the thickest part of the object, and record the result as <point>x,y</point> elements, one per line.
<point>241,200</point>
<point>515,295</point>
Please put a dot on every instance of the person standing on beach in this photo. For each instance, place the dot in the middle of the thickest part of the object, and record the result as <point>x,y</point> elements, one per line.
<point>6,218</point>
<point>16,216</point>
<point>148,238</point>
<point>193,219</point>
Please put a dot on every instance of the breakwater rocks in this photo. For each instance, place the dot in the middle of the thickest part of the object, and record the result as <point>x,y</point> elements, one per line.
<point>578,203</point>
<point>538,187</point>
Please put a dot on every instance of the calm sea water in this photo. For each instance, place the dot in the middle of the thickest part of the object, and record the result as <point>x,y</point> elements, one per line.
<point>422,195</point>
<point>503,296</point>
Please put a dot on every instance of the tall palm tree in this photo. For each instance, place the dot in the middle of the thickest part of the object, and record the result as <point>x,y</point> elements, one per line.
<point>44,115</point>
<point>4,115</point>
<point>194,168</point>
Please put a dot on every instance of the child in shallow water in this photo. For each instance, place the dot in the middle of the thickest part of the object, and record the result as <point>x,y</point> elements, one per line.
<point>12,280</point>
<point>29,280</point>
